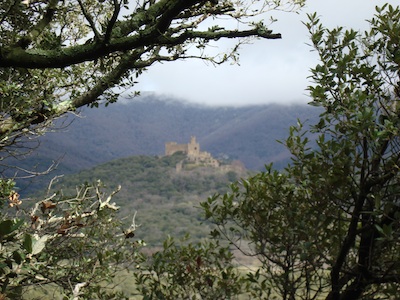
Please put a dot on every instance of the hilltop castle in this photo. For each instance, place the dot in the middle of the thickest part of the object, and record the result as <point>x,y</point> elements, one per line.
<point>193,153</point>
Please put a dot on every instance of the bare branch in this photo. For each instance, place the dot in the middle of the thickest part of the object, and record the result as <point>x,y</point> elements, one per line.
<point>113,20</point>
<point>90,20</point>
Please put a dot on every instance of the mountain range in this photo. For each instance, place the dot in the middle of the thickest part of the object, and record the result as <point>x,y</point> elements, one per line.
<point>142,126</point>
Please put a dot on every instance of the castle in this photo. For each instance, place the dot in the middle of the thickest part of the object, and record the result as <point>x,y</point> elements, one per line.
<point>193,153</point>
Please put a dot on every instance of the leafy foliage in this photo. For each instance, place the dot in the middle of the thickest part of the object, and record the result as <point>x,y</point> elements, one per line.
<point>72,244</point>
<point>328,226</point>
<point>190,271</point>
<point>264,218</point>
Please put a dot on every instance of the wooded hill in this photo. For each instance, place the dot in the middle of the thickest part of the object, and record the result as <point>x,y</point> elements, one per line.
<point>166,201</point>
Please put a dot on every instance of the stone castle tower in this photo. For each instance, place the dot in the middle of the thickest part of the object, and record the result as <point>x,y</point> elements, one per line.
<point>193,148</point>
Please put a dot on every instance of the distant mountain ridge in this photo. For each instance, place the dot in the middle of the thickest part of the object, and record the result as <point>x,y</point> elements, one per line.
<point>143,125</point>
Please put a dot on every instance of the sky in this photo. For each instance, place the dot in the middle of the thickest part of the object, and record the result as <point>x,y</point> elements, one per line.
<point>270,71</point>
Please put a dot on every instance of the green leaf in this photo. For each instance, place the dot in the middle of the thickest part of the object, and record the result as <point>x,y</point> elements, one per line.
<point>5,228</point>
<point>16,224</point>
<point>28,242</point>
<point>17,256</point>
<point>38,245</point>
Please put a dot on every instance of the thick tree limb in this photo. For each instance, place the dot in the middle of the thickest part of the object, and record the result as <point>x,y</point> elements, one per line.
<point>157,19</point>
<point>82,53</point>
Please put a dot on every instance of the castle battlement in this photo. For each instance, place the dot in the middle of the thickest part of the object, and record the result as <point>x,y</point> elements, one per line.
<point>192,151</point>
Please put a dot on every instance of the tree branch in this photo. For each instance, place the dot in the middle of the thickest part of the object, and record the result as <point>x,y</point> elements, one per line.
<point>78,54</point>
<point>111,23</point>
<point>90,20</point>
<point>158,17</point>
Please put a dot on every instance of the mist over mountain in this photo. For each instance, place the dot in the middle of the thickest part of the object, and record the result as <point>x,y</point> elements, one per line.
<point>143,125</point>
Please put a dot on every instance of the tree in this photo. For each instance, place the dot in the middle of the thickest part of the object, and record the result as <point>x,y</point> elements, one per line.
<point>187,271</point>
<point>69,245</point>
<point>57,56</point>
<point>329,224</point>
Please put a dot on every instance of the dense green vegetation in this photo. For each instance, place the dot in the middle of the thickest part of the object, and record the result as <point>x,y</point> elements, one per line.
<point>166,201</point>
<point>328,225</point>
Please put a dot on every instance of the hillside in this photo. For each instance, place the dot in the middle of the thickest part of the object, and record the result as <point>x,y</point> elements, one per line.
<point>166,201</point>
<point>143,125</point>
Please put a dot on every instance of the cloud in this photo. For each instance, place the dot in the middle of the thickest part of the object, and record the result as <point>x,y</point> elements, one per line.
<point>270,71</point>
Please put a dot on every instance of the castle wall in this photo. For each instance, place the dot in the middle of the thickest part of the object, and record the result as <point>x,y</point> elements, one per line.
<point>192,150</point>
<point>172,147</point>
